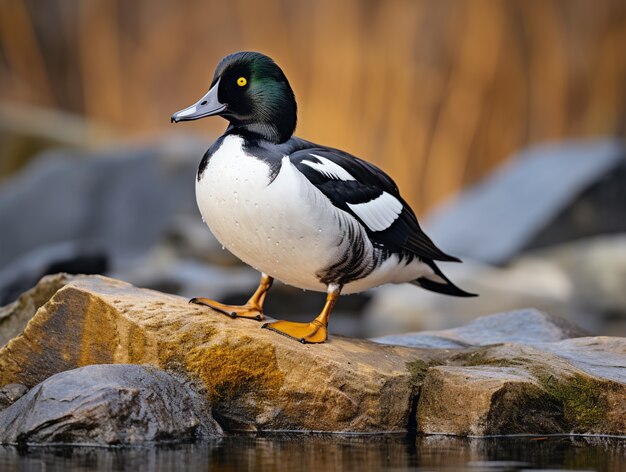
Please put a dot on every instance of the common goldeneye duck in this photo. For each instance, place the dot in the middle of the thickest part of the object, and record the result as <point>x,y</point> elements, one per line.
<point>311,216</point>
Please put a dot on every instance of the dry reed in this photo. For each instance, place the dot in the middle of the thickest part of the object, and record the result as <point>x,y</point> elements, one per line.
<point>437,92</point>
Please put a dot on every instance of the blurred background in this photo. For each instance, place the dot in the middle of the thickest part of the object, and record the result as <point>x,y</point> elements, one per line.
<point>502,122</point>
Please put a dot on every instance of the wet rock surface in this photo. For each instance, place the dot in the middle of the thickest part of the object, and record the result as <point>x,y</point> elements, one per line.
<point>108,405</point>
<point>519,372</point>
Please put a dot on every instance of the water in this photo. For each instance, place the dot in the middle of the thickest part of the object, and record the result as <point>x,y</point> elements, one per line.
<point>289,452</point>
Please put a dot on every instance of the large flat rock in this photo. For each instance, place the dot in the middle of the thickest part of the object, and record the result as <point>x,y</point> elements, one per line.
<point>523,372</point>
<point>255,378</point>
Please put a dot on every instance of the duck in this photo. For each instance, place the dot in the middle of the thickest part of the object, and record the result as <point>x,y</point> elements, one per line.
<point>311,216</point>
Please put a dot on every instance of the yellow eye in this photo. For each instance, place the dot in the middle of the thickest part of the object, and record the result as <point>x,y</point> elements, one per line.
<point>241,81</point>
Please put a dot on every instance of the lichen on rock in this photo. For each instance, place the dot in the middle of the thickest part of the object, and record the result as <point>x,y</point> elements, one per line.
<point>583,400</point>
<point>231,369</point>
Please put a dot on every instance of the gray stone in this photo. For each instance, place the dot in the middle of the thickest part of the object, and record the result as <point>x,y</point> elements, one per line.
<point>10,393</point>
<point>70,257</point>
<point>602,356</point>
<point>107,405</point>
<point>525,202</point>
<point>108,206</point>
<point>596,270</point>
<point>405,308</point>
<point>120,199</point>
<point>519,326</point>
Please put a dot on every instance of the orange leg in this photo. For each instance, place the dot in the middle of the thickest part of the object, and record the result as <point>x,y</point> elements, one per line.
<point>313,332</point>
<point>252,309</point>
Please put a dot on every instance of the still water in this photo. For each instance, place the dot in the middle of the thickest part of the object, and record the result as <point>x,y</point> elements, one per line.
<point>328,453</point>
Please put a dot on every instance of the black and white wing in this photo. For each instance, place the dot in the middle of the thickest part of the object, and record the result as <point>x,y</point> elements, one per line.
<point>371,196</point>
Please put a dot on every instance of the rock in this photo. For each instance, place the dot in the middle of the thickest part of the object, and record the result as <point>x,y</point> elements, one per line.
<point>538,379</point>
<point>162,269</point>
<point>70,205</point>
<point>482,400</point>
<point>596,269</point>
<point>543,376</point>
<point>108,405</point>
<point>602,356</point>
<point>10,393</point>
<point>519,326</point>
<point>530,202</point>
<point>256,379</point>
<point>67,257</point>
<point>15,316</point>
<point>575,385</point>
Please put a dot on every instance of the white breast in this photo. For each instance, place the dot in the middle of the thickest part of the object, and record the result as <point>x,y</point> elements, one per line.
<point>280,228</point>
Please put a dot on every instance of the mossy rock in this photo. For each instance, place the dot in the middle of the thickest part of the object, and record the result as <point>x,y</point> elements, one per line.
<point>526,389</point>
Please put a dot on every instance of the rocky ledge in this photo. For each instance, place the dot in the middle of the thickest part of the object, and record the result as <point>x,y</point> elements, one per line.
<point>518,372</point>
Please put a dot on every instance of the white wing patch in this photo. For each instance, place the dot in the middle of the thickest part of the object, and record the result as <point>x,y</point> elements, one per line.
<point>329,169</point>
<point>378,214</point>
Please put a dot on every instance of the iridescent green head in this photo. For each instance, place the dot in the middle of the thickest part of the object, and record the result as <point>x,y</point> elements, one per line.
<point>253,94</point>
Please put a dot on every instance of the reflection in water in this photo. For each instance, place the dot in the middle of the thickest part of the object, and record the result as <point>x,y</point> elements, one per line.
<point>293,452</point>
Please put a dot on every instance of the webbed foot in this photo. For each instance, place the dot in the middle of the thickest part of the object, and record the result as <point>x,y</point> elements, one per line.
<point>253,308</point>
<point>234,311</point>
<point>313,333</point>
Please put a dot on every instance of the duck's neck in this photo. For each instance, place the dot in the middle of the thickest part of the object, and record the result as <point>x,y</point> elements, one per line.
<point>275,122</point>
<point>258,130</point>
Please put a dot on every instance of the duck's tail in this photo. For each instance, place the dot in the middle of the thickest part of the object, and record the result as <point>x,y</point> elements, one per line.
<point>440,283</point>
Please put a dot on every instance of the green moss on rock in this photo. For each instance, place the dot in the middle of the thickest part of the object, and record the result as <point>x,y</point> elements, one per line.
<point>481,357</point>
<point>583,400</point>
<point>417,370</point>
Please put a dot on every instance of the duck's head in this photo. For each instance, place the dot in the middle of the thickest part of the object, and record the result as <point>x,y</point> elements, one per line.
<point>253,94</point>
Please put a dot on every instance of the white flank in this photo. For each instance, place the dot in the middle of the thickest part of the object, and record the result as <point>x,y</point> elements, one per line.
<point>378,214</point>
<point>329,168</point>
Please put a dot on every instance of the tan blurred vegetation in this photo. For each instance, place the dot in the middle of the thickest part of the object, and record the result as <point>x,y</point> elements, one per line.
<point>436,92</point>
